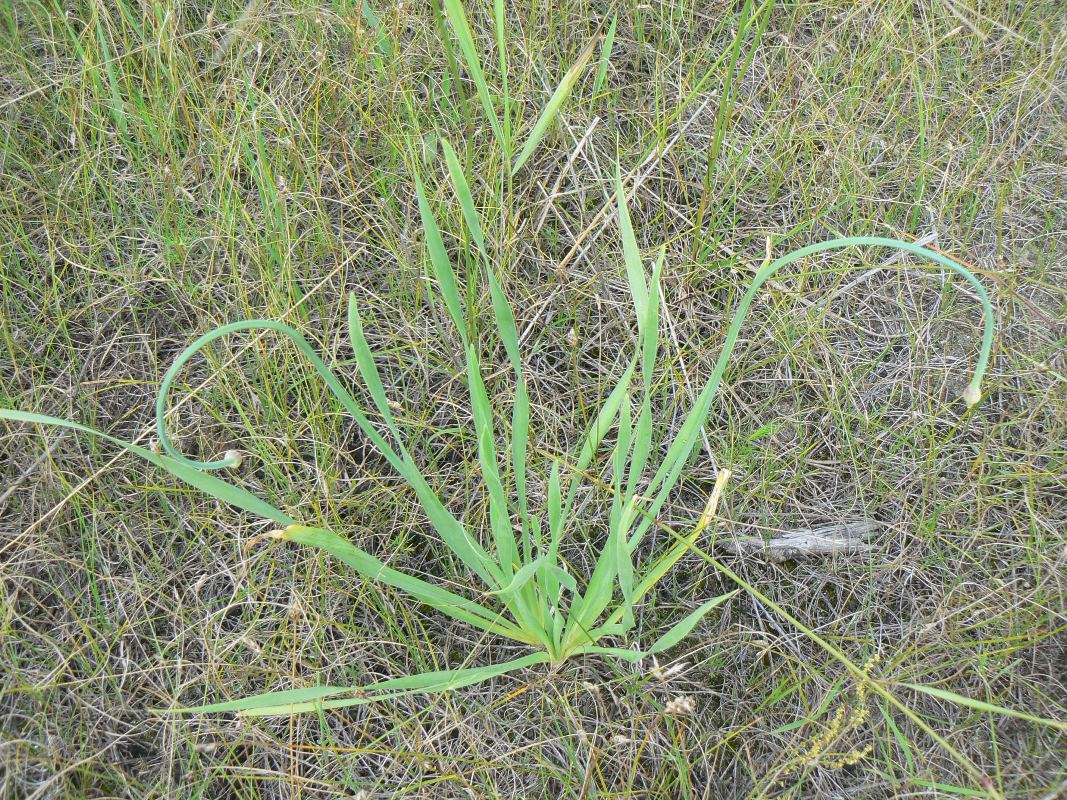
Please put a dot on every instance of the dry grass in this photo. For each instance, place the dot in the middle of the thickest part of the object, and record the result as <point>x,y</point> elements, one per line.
<point>154,182</point>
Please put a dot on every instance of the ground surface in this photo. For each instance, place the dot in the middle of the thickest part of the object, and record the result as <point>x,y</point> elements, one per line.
<point>164,170</point>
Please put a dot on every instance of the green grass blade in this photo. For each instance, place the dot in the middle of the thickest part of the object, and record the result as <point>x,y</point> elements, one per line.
<point>649,344</point>
<point>601,424</point>
<point>368,370</point>
<point>521,577</point>
<point>520,412</point>
<point>509,336</point>
<point>682,628</point>
<point>454,534</point>
<point>265,700</point>
<point>635,271</point>
<point>555,510</point>
<point>294,701</point>
<point>466,198</point>
<point>458,18</point>
<point>605,57</point>
<point>619,458</point>
<point>370,19</point>
<point>981,705</point>
<point>624,567</point>
<point>555,532</point>
<point>642,445</point>
<point>482,411</point>
<point>501,50</point>
<point>440,264</point>
<point>670,470</point>
<point>209,484</point>
<point>601,586</point>
<point>658,569</point>
<point>617,539</point>
<point>552,107</point>
<point>364,563</point>
<point>520,437</point>
<point>451,531</point>
<point>425,683</point>
<point>650,339</point>
<point>563,578</point>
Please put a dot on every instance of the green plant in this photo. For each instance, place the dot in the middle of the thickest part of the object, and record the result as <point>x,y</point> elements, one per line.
<point>532,598</point>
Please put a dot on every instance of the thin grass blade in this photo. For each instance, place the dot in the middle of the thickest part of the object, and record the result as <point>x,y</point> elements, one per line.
<point>603,422</point>
<point>669,471</point>
<point>440,265</point>
<point>648,343</point>
<point>501,50</point>
<point>981,705</point>
<point>209,484</point>
<point>264,700</point>
<point>635,271</point>
<point>605,56</point>
<point>368,369</point>
<point>425,683</point>
<point>482,411</point>
<point>521,577</point>
<point>446,602</point>
<point>555,533</point>
<point>466,198</point>
<point>449,528</point>
<point>509,336</point>
<point>458,18</point>
<point>555,102</point>
<point>682,629</point>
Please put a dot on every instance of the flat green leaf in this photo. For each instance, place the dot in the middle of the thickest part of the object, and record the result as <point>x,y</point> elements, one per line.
<point>522,577</point>
<point>670,470</point>
<point>425,683</point>
<point>552,107</point>
<point>642,445</point>
<point>466,199</point>
<point>509,336</point>
<point>482,411</point>
<point>625,569</point>
<point>451,531</point>
<point>209,484</point>
<point>458,18</point>
<point>258,701</point>
<point>603,422</point>
<point>650,339</point>
<point>681,629</point>
<point>981,705</point>
<point>446,602</point>
<point>635,271</point>
<point>564,578</point>
<point>520,436</point>
<point>555,532</point>
<point>440,265</point>
<point>368,370</point>
<point>605,56</point>
<point>555,516</point>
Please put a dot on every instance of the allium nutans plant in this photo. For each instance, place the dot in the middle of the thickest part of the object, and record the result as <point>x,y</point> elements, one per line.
<point>529,596</point>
